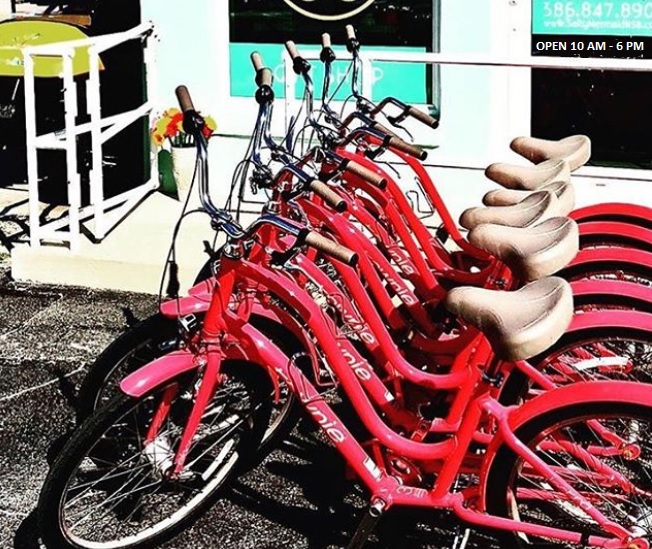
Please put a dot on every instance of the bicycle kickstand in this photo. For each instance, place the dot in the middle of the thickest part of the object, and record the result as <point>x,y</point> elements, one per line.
<point>367,525</point>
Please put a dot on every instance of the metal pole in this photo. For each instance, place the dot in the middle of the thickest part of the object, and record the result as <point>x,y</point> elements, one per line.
<point>32,155</point>
<point>74,184</point>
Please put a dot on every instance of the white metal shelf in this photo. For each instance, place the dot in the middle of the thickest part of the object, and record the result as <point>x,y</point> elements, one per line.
<point>100,129</point>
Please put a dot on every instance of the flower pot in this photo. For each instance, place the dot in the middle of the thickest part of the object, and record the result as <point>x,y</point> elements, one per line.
<point>183,168</point>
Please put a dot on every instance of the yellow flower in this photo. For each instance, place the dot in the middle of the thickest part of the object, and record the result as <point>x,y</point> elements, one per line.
<point>170,125</point>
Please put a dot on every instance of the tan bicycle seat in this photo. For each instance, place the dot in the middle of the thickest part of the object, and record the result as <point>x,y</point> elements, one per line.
<point>529,178</point>
<point>576,149</point>
<point>565,193</point>
<point>520,324</point>
<point>533,209</point>
<point>534,252</point>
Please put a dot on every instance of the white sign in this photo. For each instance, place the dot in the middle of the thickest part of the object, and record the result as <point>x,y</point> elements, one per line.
<point>334,10</point>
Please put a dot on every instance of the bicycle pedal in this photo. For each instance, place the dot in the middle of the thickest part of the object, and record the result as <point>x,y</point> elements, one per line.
<point>367,525</point>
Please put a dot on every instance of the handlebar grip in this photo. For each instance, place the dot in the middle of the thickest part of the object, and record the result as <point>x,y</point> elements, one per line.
<point>265,77</point>
<point>413,150</point>
<point>329,196</point>
<point>366,174</point>
<point>350,32</point>
<point>379,127</point>
<point>326,40</point>
<point>292,49</point>
<point>185,101</point>
<point>257,62</point>
<point>331,248</point>
<point>423,117</point>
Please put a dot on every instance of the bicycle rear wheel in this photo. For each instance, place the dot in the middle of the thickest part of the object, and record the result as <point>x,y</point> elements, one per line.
<point>561,438</point>
<point>109,488</point>
<point>621,351</point>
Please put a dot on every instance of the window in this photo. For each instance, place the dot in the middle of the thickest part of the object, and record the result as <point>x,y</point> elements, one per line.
<point>407,25</point>
<point>613,108</point>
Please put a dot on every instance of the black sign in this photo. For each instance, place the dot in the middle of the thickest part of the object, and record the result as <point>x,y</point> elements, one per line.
<point>598,46</point>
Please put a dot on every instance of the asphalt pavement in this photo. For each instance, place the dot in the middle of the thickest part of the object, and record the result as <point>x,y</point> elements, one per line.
<point>298,497</point>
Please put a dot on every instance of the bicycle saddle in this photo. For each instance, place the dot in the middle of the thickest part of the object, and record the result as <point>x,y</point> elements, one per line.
<point>533,209</point>
<point>519,324</point>
<point>534,252</point>
<point>565,193</point>
<point>576,149</point>
<point>529,178</point>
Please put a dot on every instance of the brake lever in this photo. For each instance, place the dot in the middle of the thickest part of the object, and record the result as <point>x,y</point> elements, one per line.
<point>280,259</point>
<point>400,127</point>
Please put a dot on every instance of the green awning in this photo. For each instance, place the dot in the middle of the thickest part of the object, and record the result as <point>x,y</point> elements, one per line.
<point>16,34</point>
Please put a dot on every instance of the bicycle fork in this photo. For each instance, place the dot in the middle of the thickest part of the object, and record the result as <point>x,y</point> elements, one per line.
<point>209,377</point>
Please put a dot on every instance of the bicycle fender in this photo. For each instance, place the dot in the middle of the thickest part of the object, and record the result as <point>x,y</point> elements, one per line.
<point>197,301</point>
<point>252,346</point>
<point>621,292</point>
<point>561,397</point>
<point>621,254</point>
<point>619,229</point>
<point>614,211</point>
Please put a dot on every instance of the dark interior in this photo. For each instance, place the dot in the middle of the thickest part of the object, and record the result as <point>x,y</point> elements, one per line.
<point>126,155</point>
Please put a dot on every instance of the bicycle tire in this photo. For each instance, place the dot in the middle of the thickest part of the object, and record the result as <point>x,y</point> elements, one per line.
<point>619,212</point>
<point>239,410</point>
<point>506,472</point>
<point>609,240</point>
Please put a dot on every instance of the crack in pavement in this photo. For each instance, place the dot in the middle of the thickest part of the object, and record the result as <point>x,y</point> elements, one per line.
<point>41,385</point>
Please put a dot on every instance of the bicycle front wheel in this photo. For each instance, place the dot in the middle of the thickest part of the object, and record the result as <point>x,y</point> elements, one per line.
<point>111,486</point>
<point>571,440</point>
<point>157,336</point>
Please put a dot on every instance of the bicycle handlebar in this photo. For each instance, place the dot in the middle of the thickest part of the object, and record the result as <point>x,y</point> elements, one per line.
<point>407,110</point>
<point>299,64</point>
<point>400,145</point>
<point>379,127</point>
<point>264,76</point>
<point>326,40</point>
<point>366,174</point>
<point>331,248</point>
<point>291,47</point>
<point>327,56</point>
<point>422,117</point>
<point>352,44</point>
<point>328,195</point>
<point>257,61</point>
<point>185,101</point>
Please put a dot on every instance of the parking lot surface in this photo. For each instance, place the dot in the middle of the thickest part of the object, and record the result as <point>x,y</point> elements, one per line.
<point>297,497</point>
